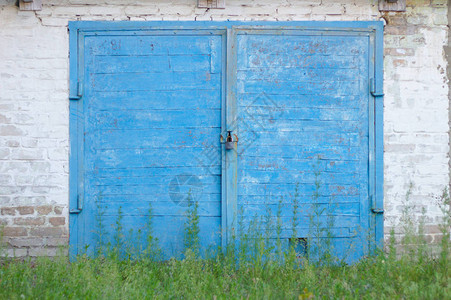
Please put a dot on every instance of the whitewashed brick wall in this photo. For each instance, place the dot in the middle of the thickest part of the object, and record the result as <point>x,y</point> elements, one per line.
<point>34,122</point>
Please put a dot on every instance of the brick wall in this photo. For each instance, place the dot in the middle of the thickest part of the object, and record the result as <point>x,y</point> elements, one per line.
<point>34,102</point>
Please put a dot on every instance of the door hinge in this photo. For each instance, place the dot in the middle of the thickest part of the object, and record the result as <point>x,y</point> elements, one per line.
<point>78,94</point>
<point>373,91</point>
<point>377,210</point>
<point>79,206</point>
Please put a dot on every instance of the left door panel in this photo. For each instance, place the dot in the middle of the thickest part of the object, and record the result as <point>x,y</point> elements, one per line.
<point>151,117</point>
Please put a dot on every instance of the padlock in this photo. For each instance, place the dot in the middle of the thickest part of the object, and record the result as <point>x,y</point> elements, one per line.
<point>229,145</point>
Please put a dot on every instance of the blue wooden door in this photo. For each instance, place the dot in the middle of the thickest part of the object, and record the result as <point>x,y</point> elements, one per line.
<point>151,103</point>
<point>303,121</point>
<point>152,106</point>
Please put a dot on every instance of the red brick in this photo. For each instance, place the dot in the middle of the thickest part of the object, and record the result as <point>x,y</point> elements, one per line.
<point>44,210</point>
<point>29,221</point>
<point>399,62</point>
<point>399,51</point>
<point>25,210</point>
<point>58,210</point>
<point>14,231</point>
<point>10,211</point>
<point>57,221</point>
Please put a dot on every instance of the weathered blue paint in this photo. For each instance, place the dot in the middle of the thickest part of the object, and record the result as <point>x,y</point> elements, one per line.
<point>147,99</point>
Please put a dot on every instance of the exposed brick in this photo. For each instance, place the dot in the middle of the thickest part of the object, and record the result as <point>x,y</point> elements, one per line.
<point>432,229</point>
<point>44,210</point>
<point>57,221</point>
<point>29,221</point>
<point>399,51</point>
<point>46,251</point>
<point>25,242</point>
<point>14,231</point>
<point>8,130</point>
<point>56,242</point>
<point>10,211</point>
<point>15,252</point>
<point>48,231</point>
<point>58,210</point>
<point>25,210</point>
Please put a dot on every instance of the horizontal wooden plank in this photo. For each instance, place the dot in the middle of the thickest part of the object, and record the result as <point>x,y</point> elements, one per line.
<point>302,44</point>
<point>159,208</point>
<point>280,101</point>
<point>302,197</point>
<point>147,100</point>
<point>170,44</point>
<point>290,138</point>
<point>198,193</point>
<point>213,170</point>
<point>203,138</point>
<point>149,64</point>
<point>171,81</point>
<point>284,190</point>
<point>304,210</point>
<point>199,180</point>
<point>157,120</point>
<point>338,221</point>
<point>262,177</point>
<point>275,74</point>
<point>145,200</point>
<point>340,88</point>
<point>194,157</point>
<point>311,152</point>
<point>292,62</point>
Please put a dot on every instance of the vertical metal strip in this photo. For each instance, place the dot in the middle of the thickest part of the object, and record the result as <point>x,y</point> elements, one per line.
<point>371,145</point>
<point>231,124</point>
<point>74,115</point>
<point>223,130</point>
<point>379,132</point>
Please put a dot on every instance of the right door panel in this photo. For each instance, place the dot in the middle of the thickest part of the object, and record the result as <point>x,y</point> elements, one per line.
<point>303,124</point>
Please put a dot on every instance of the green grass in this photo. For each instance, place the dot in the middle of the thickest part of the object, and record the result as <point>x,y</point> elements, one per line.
<point>373,278</point>
<point>245,272</point>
